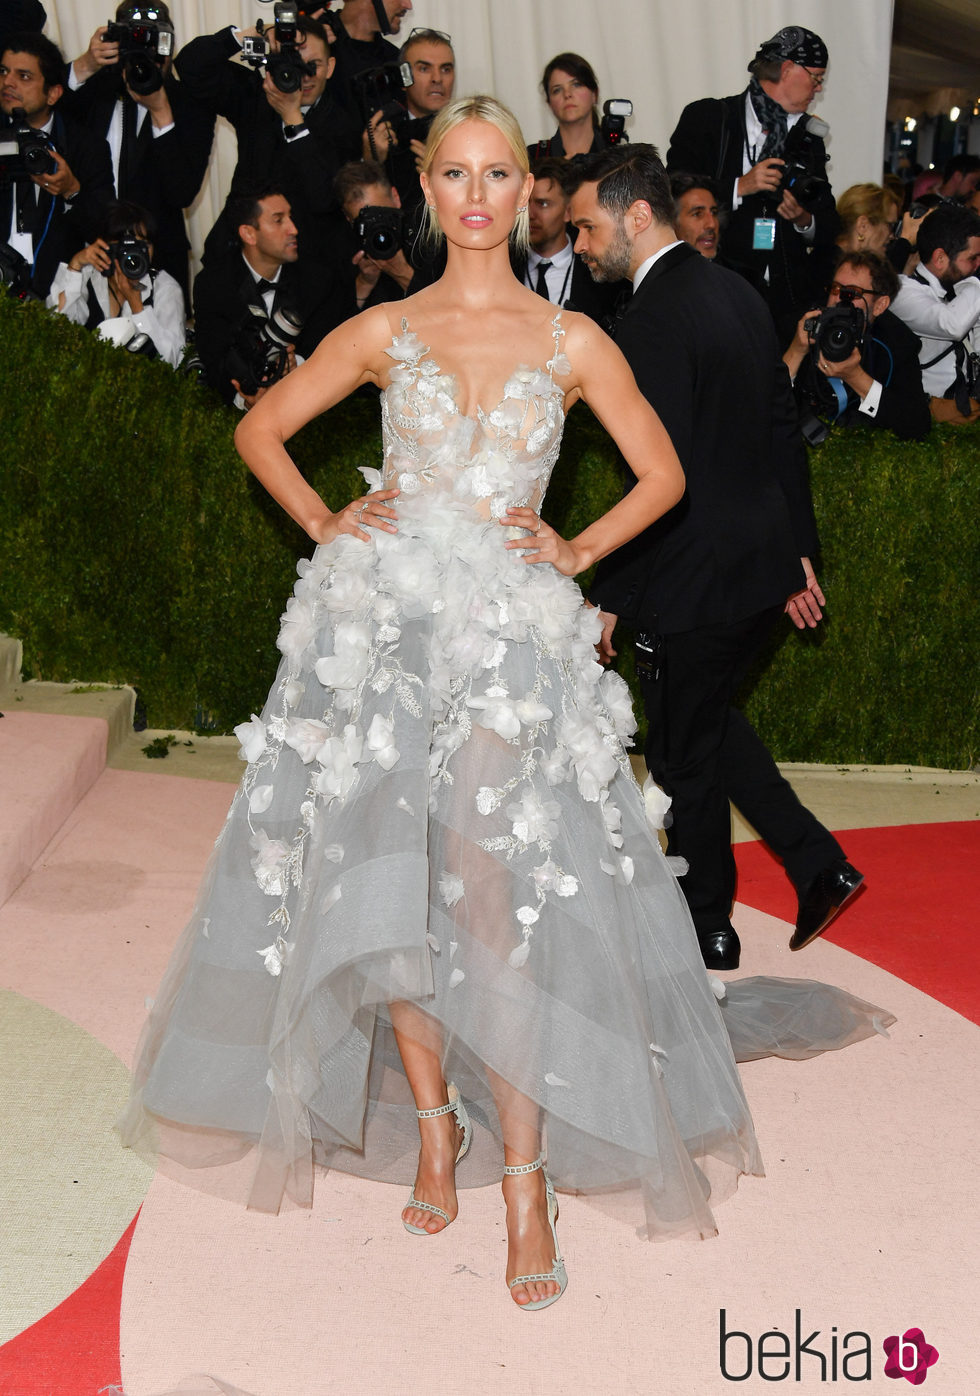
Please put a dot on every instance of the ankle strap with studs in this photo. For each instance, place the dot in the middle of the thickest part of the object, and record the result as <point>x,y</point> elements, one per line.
<point>526,1167</point>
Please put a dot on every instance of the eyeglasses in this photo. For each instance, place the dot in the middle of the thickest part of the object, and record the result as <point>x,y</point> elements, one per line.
<point>849,292</point>
<point>430,36</point>
<point>818,79</point>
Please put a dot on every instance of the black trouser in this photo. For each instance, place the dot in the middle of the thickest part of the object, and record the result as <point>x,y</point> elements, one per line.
<point>703,752</point>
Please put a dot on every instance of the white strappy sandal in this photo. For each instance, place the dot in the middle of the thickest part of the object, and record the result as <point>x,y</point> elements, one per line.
<point>558,1271</point>
<point>457,1107</point>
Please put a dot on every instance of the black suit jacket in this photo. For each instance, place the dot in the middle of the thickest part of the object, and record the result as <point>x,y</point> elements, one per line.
<point>164,173</point>
<point>225,288</point>
<point>303,168</point>
<point>891,355</point>
<point>710,139</point>
<point>704,353</point>
<point>73,223</point>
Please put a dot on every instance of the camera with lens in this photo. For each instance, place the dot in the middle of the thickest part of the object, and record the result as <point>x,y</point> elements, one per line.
<point>285,64</point>
<point>259,354</point>
<point>380,90</point>
<point>612,127</point>
<point>805,163</point>
<point>382,231</point>
<point>132,253</point>
<point>15,274</point>
<point>839,329</point>
<point>25,152</point>
<point>145,42</point>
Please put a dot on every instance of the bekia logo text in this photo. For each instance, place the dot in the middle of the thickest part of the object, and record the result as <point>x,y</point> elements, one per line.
<point>779,1356</point>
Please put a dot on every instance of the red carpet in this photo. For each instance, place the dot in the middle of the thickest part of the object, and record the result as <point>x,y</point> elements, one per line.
<point>917,914</point>
<point>73,1350</point>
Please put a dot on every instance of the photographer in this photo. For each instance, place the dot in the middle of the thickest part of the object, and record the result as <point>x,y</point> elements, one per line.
<point>111,286</point>
<point>359,28</point>
<point>571,90</point>
<point>298,138</point>
<point>251,305</point>
<point>769,160</point>
<point>399,143</point>
<point>363,188</point>
<point>48,215</point>
<point>158,135</point>
<point>940,302</point>
<point>856,363</point>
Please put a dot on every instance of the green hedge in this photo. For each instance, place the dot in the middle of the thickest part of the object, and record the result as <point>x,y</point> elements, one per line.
<point>135,547</point>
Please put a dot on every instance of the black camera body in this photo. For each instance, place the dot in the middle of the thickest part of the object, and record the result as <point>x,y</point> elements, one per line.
<point>612,127</point>
<point>285,65</point>
<point>15,274</point>
<point>381,232</point>
<point>380,90</point>
<point>132,254</point>
<point>805,164</point>
<point>260,350</point>
<point>25,152</point>
<point>838,330</point>
<point>144,47</point>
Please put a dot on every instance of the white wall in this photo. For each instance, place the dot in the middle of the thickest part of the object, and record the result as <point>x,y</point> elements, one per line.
<point>661,55</point>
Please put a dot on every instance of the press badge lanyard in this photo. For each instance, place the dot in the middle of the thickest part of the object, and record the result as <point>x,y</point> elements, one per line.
<point>763,229</point>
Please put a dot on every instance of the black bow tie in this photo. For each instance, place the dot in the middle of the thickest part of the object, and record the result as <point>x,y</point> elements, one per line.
<point>262,285</point>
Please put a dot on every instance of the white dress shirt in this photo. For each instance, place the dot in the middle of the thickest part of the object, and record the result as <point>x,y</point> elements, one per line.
<point>163,320</point>
<point>938,322</point>
<point>558,277</point>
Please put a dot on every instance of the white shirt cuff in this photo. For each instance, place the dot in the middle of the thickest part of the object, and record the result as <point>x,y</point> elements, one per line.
<point>870,402</point>
<point>162,130</point>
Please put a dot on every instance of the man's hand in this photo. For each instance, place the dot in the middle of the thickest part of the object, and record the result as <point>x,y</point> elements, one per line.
<point>604,649</point>
<point>249,399</point>
<point>418,150</point>
<point>288,106</point>
<point>763,178</point>
<point>851,371</point>
<point>95,255</point>
<point>157,104</point>
<point>63,183</point>
<point>399,268</point>
<point>793,211</point>
<point>799,345</point>
<point>98,55</point>
<point>803,608</point>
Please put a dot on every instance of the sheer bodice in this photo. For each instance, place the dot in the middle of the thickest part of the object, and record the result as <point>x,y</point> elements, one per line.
<point>489,461</point>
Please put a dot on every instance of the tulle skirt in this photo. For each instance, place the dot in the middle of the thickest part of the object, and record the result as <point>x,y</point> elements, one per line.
<point>438,809</point>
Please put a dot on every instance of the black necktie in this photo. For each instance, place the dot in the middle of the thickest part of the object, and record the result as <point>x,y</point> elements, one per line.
<point>541,285</point>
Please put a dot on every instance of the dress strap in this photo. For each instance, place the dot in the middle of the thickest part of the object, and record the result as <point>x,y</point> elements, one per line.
<point>558,363</point>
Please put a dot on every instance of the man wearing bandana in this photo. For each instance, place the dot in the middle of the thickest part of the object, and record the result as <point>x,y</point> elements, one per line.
<point>747,143</point>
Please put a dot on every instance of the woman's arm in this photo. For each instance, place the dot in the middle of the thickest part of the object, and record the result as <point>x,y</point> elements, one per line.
<point>603,378</point>
<point>350,355</point>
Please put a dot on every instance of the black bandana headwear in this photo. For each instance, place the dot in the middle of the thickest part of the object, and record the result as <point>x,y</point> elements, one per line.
<point>795,43</point>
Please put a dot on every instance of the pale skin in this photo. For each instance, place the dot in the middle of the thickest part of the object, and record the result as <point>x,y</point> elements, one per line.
<point>476,184</point>
<point>572,103</point>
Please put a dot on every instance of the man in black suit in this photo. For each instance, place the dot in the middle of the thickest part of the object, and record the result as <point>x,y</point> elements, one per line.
<point>158,135</point>
<point>237,296</point>
<point>704,586</point>
<point>297,139</point>
<point>747,143</point>
<point>879,383</point>
<point>551,267</point>
<point>48,217</point>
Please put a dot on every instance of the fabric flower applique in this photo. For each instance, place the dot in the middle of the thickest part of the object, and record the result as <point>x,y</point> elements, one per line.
<point>451,888</point>
<point>338,758</point>
<point>381,741</point>
<point>270,864</point>
<point>252,736</point>
<point>306,736</point>
<point>534,820</point>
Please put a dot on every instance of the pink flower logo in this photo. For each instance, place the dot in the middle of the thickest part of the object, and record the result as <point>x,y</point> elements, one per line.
<point>909,1356</point>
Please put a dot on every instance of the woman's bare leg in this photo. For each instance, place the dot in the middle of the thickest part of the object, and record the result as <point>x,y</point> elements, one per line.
<point>530,1245</point>
<point>440,1137</point>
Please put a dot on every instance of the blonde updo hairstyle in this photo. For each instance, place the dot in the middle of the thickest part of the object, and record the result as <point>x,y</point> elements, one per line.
<point>494,113</point>
<point>870,201</point>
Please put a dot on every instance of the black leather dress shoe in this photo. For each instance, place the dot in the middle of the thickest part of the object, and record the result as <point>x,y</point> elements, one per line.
<point>826,895</point>
<point>719,949</point>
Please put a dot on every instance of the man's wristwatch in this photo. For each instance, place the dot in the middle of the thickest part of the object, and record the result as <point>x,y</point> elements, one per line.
<point>291,132</point>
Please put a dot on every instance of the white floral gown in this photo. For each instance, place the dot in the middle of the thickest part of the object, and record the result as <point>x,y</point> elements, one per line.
<point>438,807</point>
